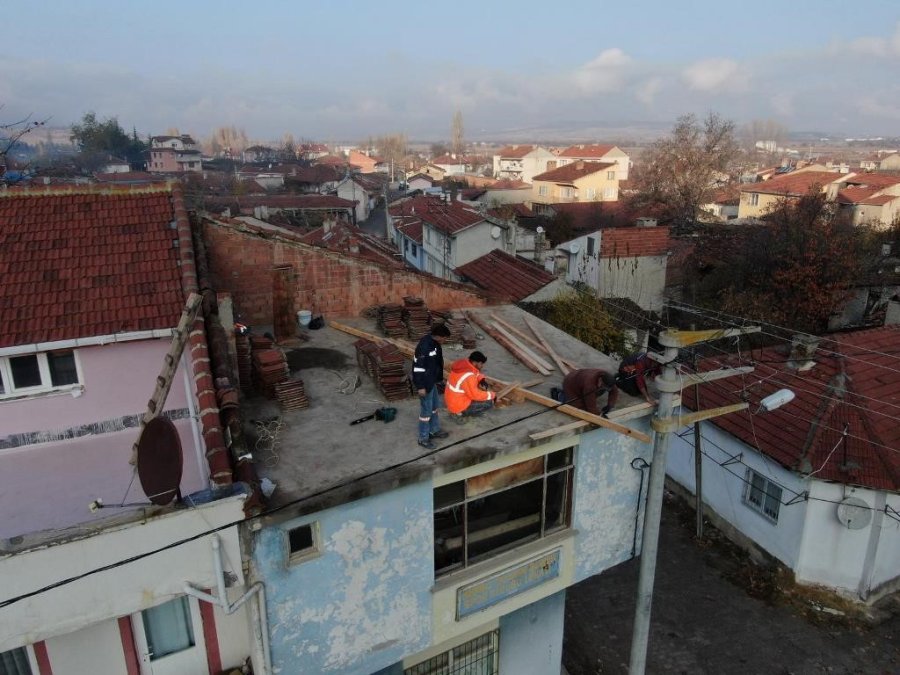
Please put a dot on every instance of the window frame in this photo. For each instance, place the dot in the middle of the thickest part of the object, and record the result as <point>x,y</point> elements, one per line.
<point>303,555</point>
<point>546,530</point>
<point>754,199</point>
<point>445,662</point>
<point>610,175</point>
<point>9,391</point>
<point>542,190</point>
<point>756,496</point>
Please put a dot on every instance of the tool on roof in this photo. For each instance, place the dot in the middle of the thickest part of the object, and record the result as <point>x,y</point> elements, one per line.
<point>384,414</point>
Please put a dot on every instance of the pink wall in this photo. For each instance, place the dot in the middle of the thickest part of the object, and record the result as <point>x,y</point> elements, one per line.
<point>50,485</point>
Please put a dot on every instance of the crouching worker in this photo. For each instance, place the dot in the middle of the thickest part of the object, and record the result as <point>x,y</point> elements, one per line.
<point>634,371</point>
<point>466,394</point>
<point>582,388</point>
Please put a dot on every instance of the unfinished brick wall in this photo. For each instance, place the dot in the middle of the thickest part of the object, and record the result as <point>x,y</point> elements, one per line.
<point>243,261</point>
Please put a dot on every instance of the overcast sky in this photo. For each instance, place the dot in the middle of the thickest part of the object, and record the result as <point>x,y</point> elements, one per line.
<point>341,69</point>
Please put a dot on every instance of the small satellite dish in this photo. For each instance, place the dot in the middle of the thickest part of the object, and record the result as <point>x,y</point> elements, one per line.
<point>854,513</point>
<point>495,232</point>
<point>540,230</point>
<point>159,461</point>
<point>574,248</point>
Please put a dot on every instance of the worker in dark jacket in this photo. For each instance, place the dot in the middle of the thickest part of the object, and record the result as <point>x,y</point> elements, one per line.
<point>633,373</point>
<point>428,371</point>
<point>582,388</point>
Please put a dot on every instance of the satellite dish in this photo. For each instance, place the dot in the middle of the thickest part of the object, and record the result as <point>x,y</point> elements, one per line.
<point>495,232</point>
<point>159,461</point>
<point>574,248</point>
<point>854,513</point>
<point>540,230</point>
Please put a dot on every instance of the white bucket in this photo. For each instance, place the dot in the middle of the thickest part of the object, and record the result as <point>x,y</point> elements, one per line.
<point>303,318</point>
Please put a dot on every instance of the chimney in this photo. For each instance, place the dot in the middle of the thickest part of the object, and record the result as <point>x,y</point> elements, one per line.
<point>802,349</point>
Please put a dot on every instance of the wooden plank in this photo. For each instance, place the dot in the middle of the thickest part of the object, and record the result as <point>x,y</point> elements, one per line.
<point>523,348</point>
<point>508,388</point>
<point>506,344</point>
<point>629,413</point>
<point>529,395</point>
<point>550,433</point>
<point>553,355</point>
<point>512,329</point>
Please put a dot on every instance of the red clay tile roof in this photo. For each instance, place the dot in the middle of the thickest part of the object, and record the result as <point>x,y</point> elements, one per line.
<point>505,275</point>
<point>316,174</point>
<point>127,177</point>
<point>587,151</point>
<point>246,203</point>
<point>411,229</point>
<point>628,242</point>
<point>572,172</point>
<point>873,180</point>
<point>515,151</point>
<point>864,195</point>
<point>509,184</point>
<point>449,218</point>
<point>519,210</point>
<point>420,176</point>
<point>810,427</point>
<point>448,160</point>
<point>793,184</point>
<point>350,240</point>
<point>332,159</point>
<point>81,262</point>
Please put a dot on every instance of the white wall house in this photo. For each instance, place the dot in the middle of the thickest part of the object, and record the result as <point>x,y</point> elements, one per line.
<point>523,162</point>
<point>814,483</point>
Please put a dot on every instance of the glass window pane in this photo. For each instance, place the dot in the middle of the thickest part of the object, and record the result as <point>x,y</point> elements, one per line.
<point>62,368</point>
<point>2,384</point>
<point>25,371</point>
<point>557,513</point>
<point>559,459</point>
<point>168,628</point>
<point>757,486</point>
<point>448,539</point>
<point>500,520</point>
<point>449,494</point>
<point>15,662</point>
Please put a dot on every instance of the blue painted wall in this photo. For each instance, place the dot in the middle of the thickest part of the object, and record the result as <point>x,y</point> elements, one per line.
<point>531,638</point>
<point>365,602</point>
<point>606,498</point>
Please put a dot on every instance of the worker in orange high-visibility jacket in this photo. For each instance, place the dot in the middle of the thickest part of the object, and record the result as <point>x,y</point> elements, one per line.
<point>466,393</point>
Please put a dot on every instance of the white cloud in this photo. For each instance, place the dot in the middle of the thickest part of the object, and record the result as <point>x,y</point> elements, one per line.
<point>605,73</point>
<point>715,74</point>
<point>872,106</point>
<point>646,91</point>
<point>888,47</point>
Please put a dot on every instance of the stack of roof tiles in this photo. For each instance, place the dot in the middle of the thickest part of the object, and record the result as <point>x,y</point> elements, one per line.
<point>460,330</point>
<point>390,320</point>
<point>384,364</point>
<point>269,368</point>
<point>242,346</point>
<point>291,394</point>
<point>416,317</point>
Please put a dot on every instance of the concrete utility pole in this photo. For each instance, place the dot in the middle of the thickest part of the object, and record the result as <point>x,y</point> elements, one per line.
<point>669,384</point>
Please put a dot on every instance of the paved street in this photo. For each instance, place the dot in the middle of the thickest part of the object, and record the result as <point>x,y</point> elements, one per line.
<point>704,623</point>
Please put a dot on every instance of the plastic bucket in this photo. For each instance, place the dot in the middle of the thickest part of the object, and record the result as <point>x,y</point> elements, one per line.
<point>303,318</point>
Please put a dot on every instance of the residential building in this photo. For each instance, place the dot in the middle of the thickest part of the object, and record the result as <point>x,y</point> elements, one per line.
<point>363,189</point>
<point>106,564</point>
<point>871,199</point>
<point>174,154</point>
<point>452,233</point>
<point>317,179</point>
<point>523,162</point>
<point>816,483</point>
<point>311,151</point>
<point>597,153</point>
<point>420,181</point>
<point>314,207</point>
<point>758,199</point>
<point>506,191</point>
<point>375,561</point>
<point>451,164</point>
<point>890,162</point>
<point>259,153</point>
<point>512,278</point>
<point>620,262</point>
<point>366,163</point>
<point>579,181</point>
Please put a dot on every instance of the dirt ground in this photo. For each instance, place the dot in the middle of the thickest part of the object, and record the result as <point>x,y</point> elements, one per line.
<point>716,612</point>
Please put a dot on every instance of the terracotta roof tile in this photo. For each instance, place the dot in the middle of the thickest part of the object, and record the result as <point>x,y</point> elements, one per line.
<point>587,151</point>
<point>505,275</point>
<point>807,432</point>
<point>69,257</point>
<point>449,218</point>
<point>628,242</point>
<point>793,184</point>
<point>515,151</point>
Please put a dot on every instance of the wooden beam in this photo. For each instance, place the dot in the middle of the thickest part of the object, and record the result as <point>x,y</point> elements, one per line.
<point>512,329</point>
<point>564,369</point>
<point>506,344</point>
<point>508,388</point>
<point>523,348</point>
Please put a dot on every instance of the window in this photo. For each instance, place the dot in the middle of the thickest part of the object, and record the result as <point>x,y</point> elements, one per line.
<point>565,192</point>
<point>591,194</point>
<point>610,175</point>
<point>754,199</point>
<point>302,543</point>
<point>483,516</point>
<point>480,656</point>
<point>415,250</point>
<point>609,193</point>
<point>591,244</point>
<point>168,628</point>
<point>427,235</point>
<point>15,662</point>
<point>542,190</point>
<point>762,495</point>
<point>34,373</point>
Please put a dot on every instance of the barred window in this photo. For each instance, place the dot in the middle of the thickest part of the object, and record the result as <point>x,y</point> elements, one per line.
<point>480,656</point>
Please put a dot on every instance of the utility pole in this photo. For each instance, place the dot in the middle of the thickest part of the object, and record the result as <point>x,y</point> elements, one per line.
<point>669,384</point>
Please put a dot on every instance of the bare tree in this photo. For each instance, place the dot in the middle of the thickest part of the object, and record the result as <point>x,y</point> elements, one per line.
<point>12,132</point>
<point>392,149</point>
<point>679,173</point>
<point>456,133</point>
<point>227,139</point>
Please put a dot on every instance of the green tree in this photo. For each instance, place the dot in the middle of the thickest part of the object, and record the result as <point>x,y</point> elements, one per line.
<point>97,140</point>
<point>584,316</point>
<point>679,173</point>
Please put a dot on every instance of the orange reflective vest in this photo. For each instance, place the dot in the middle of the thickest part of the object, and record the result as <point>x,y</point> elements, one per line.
<point>462,386</point>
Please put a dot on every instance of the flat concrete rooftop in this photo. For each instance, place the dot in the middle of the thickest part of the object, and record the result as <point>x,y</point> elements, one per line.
<point>316,449</point>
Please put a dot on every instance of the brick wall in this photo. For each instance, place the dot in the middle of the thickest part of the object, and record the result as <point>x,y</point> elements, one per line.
<point>243,261</point>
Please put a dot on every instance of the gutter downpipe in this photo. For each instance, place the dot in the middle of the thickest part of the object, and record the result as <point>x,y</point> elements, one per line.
<point>258,610</point>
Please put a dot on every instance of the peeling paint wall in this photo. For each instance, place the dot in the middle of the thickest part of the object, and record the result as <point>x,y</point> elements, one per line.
<point>365,601</point>
<point>606,499</point>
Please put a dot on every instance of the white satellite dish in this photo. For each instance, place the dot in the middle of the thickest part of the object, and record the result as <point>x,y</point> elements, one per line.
<point>540,230</point>
<point>854,513</point>
<point>495,232</point>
